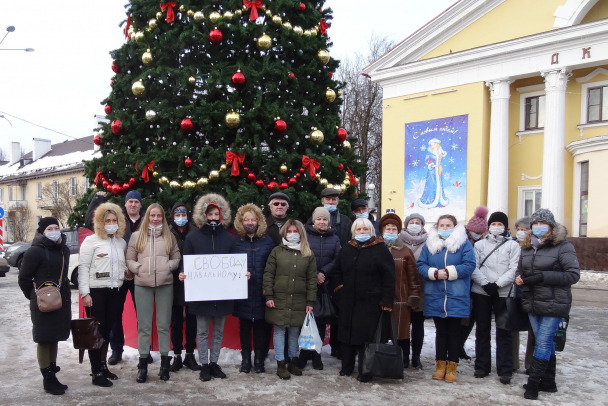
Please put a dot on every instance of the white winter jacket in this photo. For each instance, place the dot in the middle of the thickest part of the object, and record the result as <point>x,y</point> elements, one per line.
<point>500,266</point>
<point>101,264</point>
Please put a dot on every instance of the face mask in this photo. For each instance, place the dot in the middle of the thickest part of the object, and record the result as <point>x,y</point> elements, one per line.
<point>53,235</point>
<point>111,228</point>
<point>362,237</point>
<point>250,228</point>
<point>155,228</point>
<point>414,229</point>
<point>293,238</point>
<point>180,221</point>
<point>445,233</point>
<point>330,207</point>
<point>496,230</point>
<point>521,235</point>
<point>390,237</point>
<point>362,215</point>
<point>475,236</point>
<point>541,230</point>
<point>213,223</point>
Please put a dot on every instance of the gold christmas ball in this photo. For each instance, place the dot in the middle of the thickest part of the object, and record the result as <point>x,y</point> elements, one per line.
<point>192,80</point>
<point>316,137</point>
<point>238,12</point>
<point>146,58</point>
<point>155,174</point>
<point>182,8</point>
<point>346,182</point>
<point>323,56</point>
<point>323,182</point>
<point>277,19</point>
<point>152,23</point>
<point>268,13</point>
<point>138,88</point>
<point>190,13</point>
<point>340,92</point>
<point>318,177</point>
<point>163,180</point>
<point>298,30</point>
<point>214,17</point>
<point>314,30</point>
<point>342,188</point>
<point>346,144</point>
<point>174,184</point>
<point>130,31</point>
<point>283,168</point>
<point>287,25</point>
<point>159,15</point>
<point>307,33</point>
<point>189,184</point>
<point>228,15</point>
<point>330,95</point>
<point>233,119</point>
<point>214,175</point>
<point>138,36</point>
<point>222,167</point>
<point>199,16</point>
<point>202,182</point>
<point>150,115</point>
<point>264,42</point>
<point>331,186</point>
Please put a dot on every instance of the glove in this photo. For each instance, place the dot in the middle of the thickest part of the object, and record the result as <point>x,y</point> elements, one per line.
<point>414,302</point>
<point>533,279</point>
<point>491,288</point>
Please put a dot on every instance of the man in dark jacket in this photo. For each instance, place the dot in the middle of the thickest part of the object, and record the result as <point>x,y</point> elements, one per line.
<point>279,204</point>
<point>360,210</point>
<point>339,222</point>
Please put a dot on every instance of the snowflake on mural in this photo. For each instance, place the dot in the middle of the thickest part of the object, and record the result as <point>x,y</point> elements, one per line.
<point>415,163</point>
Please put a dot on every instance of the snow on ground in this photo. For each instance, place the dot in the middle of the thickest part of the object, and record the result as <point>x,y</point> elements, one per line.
<point>581,374</point>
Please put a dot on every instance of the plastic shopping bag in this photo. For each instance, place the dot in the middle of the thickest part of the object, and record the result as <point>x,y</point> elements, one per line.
<point>309,335</point>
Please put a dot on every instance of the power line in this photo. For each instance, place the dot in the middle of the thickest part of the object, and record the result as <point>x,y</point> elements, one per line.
<point>41,126</point>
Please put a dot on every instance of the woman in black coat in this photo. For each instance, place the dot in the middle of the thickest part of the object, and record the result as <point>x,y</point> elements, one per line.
<point>365,278</point>
<point>44,262</point>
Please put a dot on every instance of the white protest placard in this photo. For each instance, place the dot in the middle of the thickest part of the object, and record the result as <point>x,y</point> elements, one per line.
<point>215,277</point>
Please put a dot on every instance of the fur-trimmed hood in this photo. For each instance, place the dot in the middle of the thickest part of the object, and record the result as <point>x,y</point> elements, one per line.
<point>558,235</point>
<point>435,243</point>
<point>259,216</point>
<point>198,213</point>
<point>99,223</point>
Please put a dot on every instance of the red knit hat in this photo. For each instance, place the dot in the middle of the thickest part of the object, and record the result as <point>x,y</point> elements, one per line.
<point>478,224</point>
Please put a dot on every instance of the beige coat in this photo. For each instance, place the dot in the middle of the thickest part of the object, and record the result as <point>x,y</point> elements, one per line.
<point>153,267</point>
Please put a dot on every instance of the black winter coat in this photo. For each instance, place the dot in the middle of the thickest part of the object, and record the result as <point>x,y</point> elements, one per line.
<point>257,250</point>
<point>341,224</point>
<point>273,230</point>
<point>178,286</point>
<point>556,259</point>
<point>42,262</point>
<point>365,280</point>
<point>209,240</point>
<point>325,246</point>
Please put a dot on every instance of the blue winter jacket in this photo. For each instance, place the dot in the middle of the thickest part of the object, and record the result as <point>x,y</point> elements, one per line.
<point>451,297</point>
<point>325,246</point>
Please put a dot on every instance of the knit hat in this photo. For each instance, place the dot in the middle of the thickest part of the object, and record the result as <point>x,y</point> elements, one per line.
<point>179,207</point>
<point>477,224</point>
<point>543,215</point>
<point>320,212</point>
<point>413,216</point>
<point>390,218</point>
<point>133,194</point>
<point>499,216</point>
<point>524,222</point>
<point>45,222</point>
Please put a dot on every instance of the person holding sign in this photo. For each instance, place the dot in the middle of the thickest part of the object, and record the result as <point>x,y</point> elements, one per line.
<point>211,214</point>
<point>290,289</point>
<point>250,225</point>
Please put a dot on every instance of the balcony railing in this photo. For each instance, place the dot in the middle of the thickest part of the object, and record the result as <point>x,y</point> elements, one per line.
<point>17,204</point>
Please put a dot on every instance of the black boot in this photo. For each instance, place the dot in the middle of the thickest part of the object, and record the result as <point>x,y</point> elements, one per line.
<point>216,371</point>
<point>317,363</point>
<point>142,370</point>
<point>100,380</point>
<point>305,355</point>
<point>176,365</point>
<point>50,382</point>
<point>547,383</point>
<point>115,358</point>
<point>537,371</point>
<point>106,372</point>
<point>405,349</point>
<point>190,362</point>
<point>165,364</point>
<point>56,369</point>
<point>245,361</point>
<point>416,361</point>
<point>205,374</point>
<point>258,363</point>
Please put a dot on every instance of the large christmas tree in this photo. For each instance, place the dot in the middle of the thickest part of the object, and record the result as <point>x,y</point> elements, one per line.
<point>231,96</point>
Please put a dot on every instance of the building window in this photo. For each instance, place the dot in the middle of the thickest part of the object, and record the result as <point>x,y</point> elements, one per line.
<point>535,113</point>
<point>1,195</point>
<point>85,184</point>
<point>38,190</point>
<point>10,193</point>
<point>530,201</point>
<point>597,104</point>
<point>56,189</point>
<point>582,222</point>
<point>23,197</point>
<point>73,186</point>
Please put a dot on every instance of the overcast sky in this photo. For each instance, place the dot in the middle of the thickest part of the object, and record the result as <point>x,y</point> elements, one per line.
<point>61,84</point>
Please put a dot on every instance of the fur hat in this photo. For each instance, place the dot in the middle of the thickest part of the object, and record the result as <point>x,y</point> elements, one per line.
<point>477,224</point>
<point>390,218</point>
<point>413,216</point>
<point>499,216</point>
<point>543,215</point>
<point>99,219</point>
<point>211,199</point>
<point>45,222</point>
<point>320,212</point>
<point>524,222</point>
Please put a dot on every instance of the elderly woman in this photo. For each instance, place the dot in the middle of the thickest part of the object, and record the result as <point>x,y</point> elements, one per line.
<point>46,263</point>
<point>548,267</point>
<point>522,229</point>
<point>407,281</point>
<point>101,272</point>
<point>446,263</point>
<point>364,274</point>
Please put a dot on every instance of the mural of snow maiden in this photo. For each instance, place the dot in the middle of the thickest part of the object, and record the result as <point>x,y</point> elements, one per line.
<point>436,167</point>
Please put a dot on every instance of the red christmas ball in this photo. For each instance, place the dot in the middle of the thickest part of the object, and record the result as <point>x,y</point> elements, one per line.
<point>125,186</point>
<point>105,184</point>
<point>186,125</point>
<point>246,169</point>
<point>115,67</point>
<point>340,167</point>
<point>272,185</point>
<point>342,134</point>
<point>302,170</point>
<point>291,75</point>
<point>116,127</point>
<point>111,83</point>
<point>109,187</point>
<point>302,7</point>
<point>238,79</point>
<point>251,176</point>
<point>216,36</point>
<point>132,181</point>
<point>293,181</point>
<point>97,140</point>
<point>259,183</point>
<point>280,125</point>
<point>107,109</point>
<point>283,185</point>
<point>331,74</point>
<point>298,175</point>
<point>188,162</point>
<point>116,188</point>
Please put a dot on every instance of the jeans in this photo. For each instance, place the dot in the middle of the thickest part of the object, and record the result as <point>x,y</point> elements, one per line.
<point>217,336</point>
<point>147,298</point>
<point>544,328</point>
<point>278,340</point>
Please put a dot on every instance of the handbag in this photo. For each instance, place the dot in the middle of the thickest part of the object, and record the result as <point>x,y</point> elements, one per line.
<point>559,339</point>
<point>383,360</point>
<point>323,309</point>
<point>514,318</point>
<point>309,338</point>
<point>48,295</point>
<point>86,335</point>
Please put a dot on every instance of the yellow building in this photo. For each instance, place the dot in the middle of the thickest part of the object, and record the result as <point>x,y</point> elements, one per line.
<point>524,85</point>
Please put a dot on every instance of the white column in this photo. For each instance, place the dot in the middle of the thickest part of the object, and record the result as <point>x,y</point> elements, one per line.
<point>554,142</point>
<point>498,171</point>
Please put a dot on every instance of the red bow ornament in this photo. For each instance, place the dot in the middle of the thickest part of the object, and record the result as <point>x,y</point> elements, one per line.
<point>323,27</point>
<point>169,7</point>
<point>311,164</point>
<point>97,177</point>
<point>235,159</point>
<point>253,5</point>
<point>145,173</point>
<point>351,177</point>
<point>127,27</point>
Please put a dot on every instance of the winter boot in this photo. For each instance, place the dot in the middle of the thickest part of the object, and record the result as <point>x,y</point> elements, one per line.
<point>165,364</point>
<point>56,369</point>
<point>100,380</point>
<point>405,350</point>
<point>150,359</point>
<point>216,371</point>
<point>450,373</point>
<point>538,368</point>
<point>547,383</point>
<point>258,363</point>
<point>305,355</point>
<point>142,370</point>
<point>106,372</point>
<point>462,354</point>
<point>282,371</point>
<point>176,365</point>
<point>416,361</point>
<point>205,374</point>
<point>190,362</point>
<point>245,361</point>
<point>293,367</point>
<point>50,382</point>
<point>115,358</point>
<point>317,363</point>
<point>440,370</point>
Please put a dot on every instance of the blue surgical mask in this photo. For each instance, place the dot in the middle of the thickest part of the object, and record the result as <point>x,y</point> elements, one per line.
<point>390,237</point>
<point>53,235</point>
<point>363,215</point>
<point>445,233</point>
<point>180,221</point>
<point>414,229</point>
<point>540,230</point>
<point>362,237</point>
<point>293,238</point>
<point>330,207</point>
<point>475,236</point>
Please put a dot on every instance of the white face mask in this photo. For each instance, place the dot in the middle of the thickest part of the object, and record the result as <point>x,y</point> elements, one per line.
<point>53,235</point>
<point>293,238</point>
<point>414,229</point>
<point>496,230</point>
<point>155,228</point>
<point>521,235</point>
<point>111,228</point>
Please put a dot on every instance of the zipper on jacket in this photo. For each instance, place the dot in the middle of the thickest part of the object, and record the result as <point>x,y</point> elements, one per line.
<point>445,284</point>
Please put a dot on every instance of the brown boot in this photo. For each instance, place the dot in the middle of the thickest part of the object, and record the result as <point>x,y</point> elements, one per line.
<point>294,367</point>
<point>440,370</point>
<point>450,374</point>
<point>282,371</point>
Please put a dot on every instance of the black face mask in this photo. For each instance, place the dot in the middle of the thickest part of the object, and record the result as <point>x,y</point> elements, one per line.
<point>213,223</point>
<point>250,229</point>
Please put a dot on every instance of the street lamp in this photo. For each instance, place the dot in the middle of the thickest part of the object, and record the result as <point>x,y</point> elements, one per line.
<point>10,29</point>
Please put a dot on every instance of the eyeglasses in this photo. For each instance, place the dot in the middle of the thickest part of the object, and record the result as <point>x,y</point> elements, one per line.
<point>279,204</point>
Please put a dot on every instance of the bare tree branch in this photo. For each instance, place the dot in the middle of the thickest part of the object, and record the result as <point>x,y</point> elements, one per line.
<point>56,198</point>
